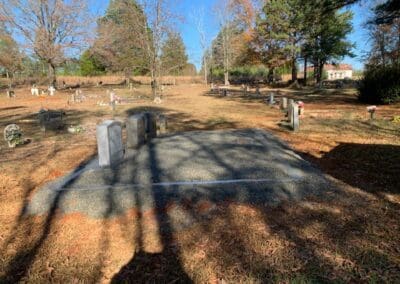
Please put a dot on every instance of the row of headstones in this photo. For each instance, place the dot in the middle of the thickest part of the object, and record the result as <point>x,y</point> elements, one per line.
<point>292,110</point>
<point>140,128</point>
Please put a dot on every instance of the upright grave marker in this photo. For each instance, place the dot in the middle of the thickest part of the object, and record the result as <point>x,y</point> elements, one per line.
<point>290,110</point>
<point>135,131</point>
<point>109,143</point>
<point>295,117</point>
<point>271,99</point>
<point>284,103</point>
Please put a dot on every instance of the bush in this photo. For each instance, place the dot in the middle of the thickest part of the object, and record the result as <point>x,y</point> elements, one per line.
<point>380,85</point>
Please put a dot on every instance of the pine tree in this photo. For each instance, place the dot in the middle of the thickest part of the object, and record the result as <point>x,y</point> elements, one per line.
<point>173,55</point>
<point>118,44</point>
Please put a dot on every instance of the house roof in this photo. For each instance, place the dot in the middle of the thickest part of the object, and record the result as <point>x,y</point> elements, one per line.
<point>329,67</point>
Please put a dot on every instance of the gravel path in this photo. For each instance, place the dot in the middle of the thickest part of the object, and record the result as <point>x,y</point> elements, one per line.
<point>204,167</point>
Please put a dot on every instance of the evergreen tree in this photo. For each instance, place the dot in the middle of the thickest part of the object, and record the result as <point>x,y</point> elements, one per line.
<point>118,45</point>
<point>89,65</point>
<point>173,55</point>
<point>327,39</point>
<point>10,56</point>
<point>281,31</point>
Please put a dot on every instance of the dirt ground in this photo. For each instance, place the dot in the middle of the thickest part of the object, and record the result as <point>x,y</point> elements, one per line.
<point>353,235</point>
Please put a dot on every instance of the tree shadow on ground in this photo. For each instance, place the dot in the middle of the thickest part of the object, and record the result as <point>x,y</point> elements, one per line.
<point>180,122</point>
<point>321,239</point>
<point>374,168</point>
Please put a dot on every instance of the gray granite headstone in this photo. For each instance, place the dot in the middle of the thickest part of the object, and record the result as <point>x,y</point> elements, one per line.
<point>271,98</point>
<point>135,131</point>
<point>295,117</point>
<point>290,109</point>
<point>284,103</point>
<point>109,143</point>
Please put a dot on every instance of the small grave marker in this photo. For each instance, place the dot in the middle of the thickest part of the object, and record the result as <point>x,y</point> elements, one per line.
<point>295,117</point>
<point>284,103</point>
<point>271,99</point>
<point>10,94</point>
<point>290,109</point>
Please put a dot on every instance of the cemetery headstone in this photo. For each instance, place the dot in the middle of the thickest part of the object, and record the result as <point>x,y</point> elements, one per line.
<point>295,117</point>
<point>52,91</point>
<point>34,91</point>
<point>271,99</point>
<point>10,94</point>
<point>109,143</point>
<point>162,124</point>
<point>284,103</point>
<point>135,131</point>
<point>50,120</point>
<point>290,109</point>
<point>13,135</point>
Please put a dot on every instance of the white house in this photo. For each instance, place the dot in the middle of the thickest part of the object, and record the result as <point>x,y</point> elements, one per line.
<point>339,71</point>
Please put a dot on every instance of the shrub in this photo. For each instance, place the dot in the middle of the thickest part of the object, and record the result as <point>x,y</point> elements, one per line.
<point>380,85</point>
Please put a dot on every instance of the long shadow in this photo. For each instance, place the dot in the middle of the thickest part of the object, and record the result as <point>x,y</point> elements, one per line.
<point>164,267</point>
<point>372,167</point>
<point>20,264</point>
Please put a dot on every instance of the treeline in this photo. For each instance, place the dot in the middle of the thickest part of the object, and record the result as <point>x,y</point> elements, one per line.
<point>131,38</point>
<point>280,34</point>
<point>381,82</point>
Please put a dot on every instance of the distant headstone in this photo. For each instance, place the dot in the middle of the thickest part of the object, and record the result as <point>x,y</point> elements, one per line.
<point>162,124</point>
<point>34,91</point>
<point>50,120</point>
<point>271,99</point>
<point>295,117</point>
<point>284,103</point>
<point>135,131</point>
<point>109,143</point>
<point>10,94</point>
<point>290,109</point>
<point>52,91</point>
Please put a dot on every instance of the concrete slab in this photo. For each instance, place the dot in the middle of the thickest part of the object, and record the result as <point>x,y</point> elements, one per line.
<point>247,166</point>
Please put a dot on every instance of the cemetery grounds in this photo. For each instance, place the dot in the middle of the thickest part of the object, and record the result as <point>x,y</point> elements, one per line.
<point>350,235</point>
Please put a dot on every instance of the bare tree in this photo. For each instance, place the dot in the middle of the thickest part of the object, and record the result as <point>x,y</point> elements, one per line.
<point>235,19</point>
<point>199,23</point>
<point>160,21</point>
<point>50,28</point>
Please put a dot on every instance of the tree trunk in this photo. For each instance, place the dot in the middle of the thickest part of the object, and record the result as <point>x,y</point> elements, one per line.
<point>226,78</point>
<point>319,73</point>
<point>305,70</point>
<point>205,72</point>
<point>52,74</point>
<point>294,70</point>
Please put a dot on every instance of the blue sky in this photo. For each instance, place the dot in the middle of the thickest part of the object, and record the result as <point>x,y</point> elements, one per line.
<point>189,8</point>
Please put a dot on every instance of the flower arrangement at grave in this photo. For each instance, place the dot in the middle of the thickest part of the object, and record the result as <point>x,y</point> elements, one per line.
<point>301,107</point>
<point>372,110</point>
<point>13,135</point>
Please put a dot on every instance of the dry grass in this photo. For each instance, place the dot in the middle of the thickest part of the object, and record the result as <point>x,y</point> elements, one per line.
<point>117,79</point>
<point>351,235</point>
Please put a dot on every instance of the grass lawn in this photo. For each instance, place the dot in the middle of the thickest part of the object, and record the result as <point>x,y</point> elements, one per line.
<point>352,234</point>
